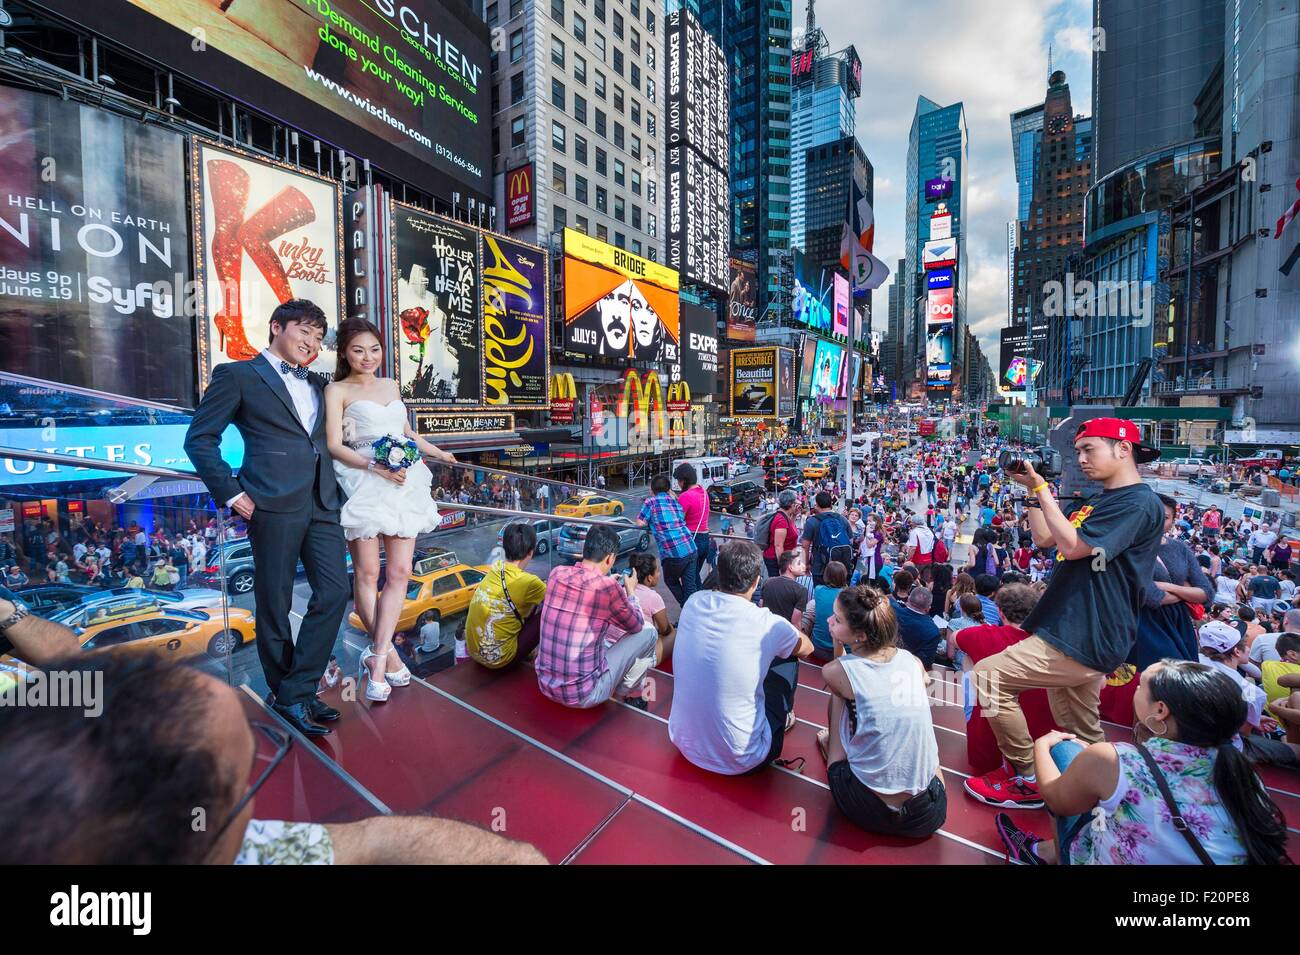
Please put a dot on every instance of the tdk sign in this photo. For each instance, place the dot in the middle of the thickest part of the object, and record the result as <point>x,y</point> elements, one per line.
<point>939,278</point>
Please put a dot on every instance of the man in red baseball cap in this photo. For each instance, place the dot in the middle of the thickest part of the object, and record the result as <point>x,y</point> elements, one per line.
<point>1085,623</point>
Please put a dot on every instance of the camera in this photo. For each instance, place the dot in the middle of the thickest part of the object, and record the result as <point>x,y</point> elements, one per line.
<point>1046,461</point>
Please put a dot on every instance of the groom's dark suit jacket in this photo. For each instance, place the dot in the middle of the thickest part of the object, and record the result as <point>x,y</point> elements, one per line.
<point>282,462</point>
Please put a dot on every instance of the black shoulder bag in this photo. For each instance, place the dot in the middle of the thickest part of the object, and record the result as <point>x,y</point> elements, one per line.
<point>1175,816</point>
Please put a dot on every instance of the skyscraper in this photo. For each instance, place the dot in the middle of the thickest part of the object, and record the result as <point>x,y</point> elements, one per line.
<point>828,174</point>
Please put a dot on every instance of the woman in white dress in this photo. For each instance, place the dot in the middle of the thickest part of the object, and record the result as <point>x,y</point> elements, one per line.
<point>392,506</point>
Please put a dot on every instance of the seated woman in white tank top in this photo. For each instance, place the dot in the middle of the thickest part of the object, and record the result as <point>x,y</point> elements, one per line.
<point>881,754</point>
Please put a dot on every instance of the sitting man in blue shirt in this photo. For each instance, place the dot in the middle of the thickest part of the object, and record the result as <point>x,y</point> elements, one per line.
<point>916,631</point>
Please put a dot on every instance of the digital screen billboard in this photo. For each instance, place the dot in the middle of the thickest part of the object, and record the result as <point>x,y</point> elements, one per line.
<point>618,304</point>
<point>939,254</point>
<point>938,279</point>
<point>807,362</point>
<point>808,309</point>
<point>403,83</point>
<point>699,224</point>
<point>785,384</point>
<point>842,302</point>
<point>827,369</point>
<point>1014,362</point>
<point>938,354</point>
<point>742,296</point>
<point>937,188</point>
<point>698,106</point>
<point>699,365</point>
<point>753,382</point>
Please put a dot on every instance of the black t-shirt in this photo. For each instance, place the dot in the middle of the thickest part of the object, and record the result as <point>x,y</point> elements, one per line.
<point>1090,614</point>
<point>783,596</point>
<point>1265,587</point>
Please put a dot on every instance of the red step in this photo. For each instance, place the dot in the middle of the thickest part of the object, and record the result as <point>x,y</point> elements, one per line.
<point>639,835</point>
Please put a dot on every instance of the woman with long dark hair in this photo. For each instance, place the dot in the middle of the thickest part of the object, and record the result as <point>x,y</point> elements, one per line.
<point>1122,803</point>
<point>388,500</point>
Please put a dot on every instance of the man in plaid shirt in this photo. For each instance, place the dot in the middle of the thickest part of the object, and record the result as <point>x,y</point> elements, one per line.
<point>677,553</point>
<point>584,608</point>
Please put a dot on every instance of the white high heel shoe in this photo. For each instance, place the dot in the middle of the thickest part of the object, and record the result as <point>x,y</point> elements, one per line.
<point>377,691</point>
<point>400,677</point>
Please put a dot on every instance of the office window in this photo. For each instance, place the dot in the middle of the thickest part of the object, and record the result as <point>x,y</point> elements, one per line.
<point>599,8</point>
<point>650,21</point>
<point>636,183</point>
<point>557,11</point>
<point>491,15</point>
<point>580,69</point>
<point>557,93</point>
<point>619,174</point>
<point>620,240</point>
<point>580,149</point>
<point>581,224</point>
<point>634,76</point>
<point>652,253</point>
<point>636,147</point>
<point>602,199</point>
<point>650,157</point>
<point>561,217</point>
<point>516,46</point>
<point>650,123</point>
<point>618,135</point>
<point>557,136</point>
<point>602,233</point>
<point>599,45</point>
<point>517,128</point>
<point>580,27</point>
<point>636,113</point>
<point>651,190</point>
<point>580,189</point>
<point>618,25</point>
<point>580,108</point>
<point>557,51</point>
<point>649,57</point>
<point>652,226</point>
<point>636,41</point>
<point>602,162</point>
<point>636,246</point>
<point>600,84</point>
<point>636,216</point>
<point>618,61</point>
<point>516,8</point>
<point>635,7</point>
<point>620,211</point>
<point>600,122</point>
<point>559,178</point>
<point>650,89</point>
<point>496,98</point>
<point>496,140</point>
<point>618,97</point>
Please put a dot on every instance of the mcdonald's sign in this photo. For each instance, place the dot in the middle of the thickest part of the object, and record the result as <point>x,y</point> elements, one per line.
<point>645,402</point>
<point>679,398</point>
<point>519,196</point>
<point>564,398</point>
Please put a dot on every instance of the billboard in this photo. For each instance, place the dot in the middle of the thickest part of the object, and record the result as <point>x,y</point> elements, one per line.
<point>938,354</point>
<point>1014,362</point>
<point>265,233</point>
<point>516,337</point>
<point>855,70</point>
<point>698,108</point>
<point>842,301</point>
<point>742,297</point>
<point>938,279</point>
<point>939,254</point>
<point>618,304</point>
<point>785,385</point>
<point>404,83</point>
<point>827,370</point>
<point>938,188</point>
<point>699,364</point>
<point>807,364</point>
<point>939,306</point>
<point>437,299</point>
<point>699,224</point>
<point>93,260</point>
<point>941,224</point>
<point>808,309</point>
<point>753,382</point>
<point>802,63</point>
<point>520,210</point>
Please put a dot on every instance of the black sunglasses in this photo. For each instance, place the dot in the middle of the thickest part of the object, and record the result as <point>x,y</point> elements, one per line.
<point>283,742</point>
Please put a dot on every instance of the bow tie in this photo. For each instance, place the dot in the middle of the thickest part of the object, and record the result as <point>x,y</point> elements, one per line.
<point>298,371</point>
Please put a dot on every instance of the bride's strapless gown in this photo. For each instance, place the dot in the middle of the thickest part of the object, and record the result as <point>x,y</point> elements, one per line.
<point>376,505</point>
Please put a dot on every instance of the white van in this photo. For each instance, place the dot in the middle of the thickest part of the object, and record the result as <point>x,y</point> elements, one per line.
<point>708,471</point>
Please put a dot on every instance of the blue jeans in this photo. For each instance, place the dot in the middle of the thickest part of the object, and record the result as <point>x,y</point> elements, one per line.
<point>1063,754</point>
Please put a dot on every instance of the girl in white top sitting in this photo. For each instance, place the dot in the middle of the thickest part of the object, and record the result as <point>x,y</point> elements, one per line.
<point>1109,801</point>
<point>882,758</point>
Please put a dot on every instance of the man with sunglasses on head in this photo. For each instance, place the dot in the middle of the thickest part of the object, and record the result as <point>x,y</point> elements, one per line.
<point>168,773</point>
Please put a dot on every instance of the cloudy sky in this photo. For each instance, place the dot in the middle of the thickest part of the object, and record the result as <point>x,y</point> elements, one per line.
<point>992,56</point>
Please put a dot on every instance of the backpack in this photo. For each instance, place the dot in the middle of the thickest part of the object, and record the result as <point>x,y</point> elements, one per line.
<point>833,540</point>
<point>763,530</point>
<point>990,560</point>
<point>940,553</point>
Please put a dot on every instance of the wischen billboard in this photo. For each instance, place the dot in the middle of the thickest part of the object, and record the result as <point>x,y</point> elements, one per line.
<point>403,83</point>
<point>753,382</point>
<point>742,297</point>
<point>95,258</point>
<point>618,304</point>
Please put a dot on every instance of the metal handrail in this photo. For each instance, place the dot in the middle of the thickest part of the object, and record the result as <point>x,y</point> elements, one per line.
<point>25,381</point>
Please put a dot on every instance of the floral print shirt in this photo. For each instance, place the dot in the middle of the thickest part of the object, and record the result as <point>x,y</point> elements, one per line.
<point>1133,827</point>
<point>273,842</point>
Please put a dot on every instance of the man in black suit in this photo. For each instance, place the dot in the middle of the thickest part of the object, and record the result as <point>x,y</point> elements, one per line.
<point>287,493</point>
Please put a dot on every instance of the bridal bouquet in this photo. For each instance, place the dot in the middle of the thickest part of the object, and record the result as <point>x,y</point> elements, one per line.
<point>395,453</point>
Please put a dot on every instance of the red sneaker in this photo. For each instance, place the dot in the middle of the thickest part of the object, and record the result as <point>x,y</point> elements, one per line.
<point>1000,788</point>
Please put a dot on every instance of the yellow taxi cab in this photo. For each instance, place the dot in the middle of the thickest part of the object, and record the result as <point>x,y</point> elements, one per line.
<point>589,505</point>
<point>440,583</point>
<point>816,470</point>
<point>150,627</point>
<point>802,451</point>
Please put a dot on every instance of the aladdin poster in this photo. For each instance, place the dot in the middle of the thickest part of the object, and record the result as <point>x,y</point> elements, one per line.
<point>515,340</point>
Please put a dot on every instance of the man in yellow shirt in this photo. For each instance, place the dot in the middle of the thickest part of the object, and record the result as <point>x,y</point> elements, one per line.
<point>1281,678</point>
<point>501,626</point>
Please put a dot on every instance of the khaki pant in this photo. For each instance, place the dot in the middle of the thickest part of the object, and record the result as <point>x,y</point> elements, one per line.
<point>1073,691</point>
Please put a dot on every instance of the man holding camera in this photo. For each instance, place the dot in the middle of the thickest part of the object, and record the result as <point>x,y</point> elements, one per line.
<point>1085,623</point>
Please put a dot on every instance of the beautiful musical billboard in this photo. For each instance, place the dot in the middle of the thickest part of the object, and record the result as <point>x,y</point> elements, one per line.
<point>437,301</point>
<point>403,83</point>
<point>741,301</point>
<point>265,233</point>
<point>753,382</point>
<point>516,338</point>
<point>94,250</point>
<point>618,304</point>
